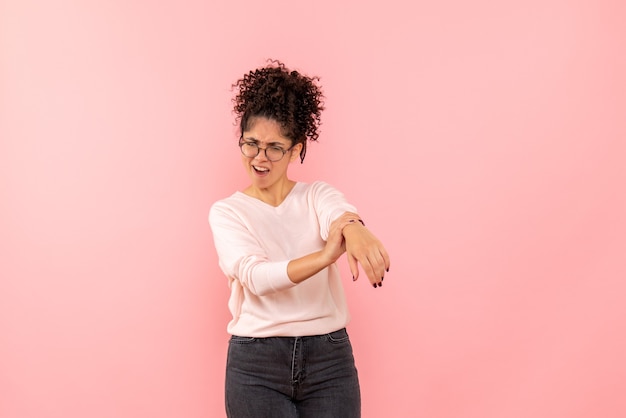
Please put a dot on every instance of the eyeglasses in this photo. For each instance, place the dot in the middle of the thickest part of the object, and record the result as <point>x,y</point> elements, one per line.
<point>252,149</point>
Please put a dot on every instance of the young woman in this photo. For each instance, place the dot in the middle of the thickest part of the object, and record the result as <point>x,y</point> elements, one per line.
<point>278,241</point>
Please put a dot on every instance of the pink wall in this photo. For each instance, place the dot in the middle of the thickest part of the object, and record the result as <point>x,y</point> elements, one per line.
<point>483,142</point>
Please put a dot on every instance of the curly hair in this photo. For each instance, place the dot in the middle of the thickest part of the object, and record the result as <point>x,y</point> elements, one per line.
<point>292,99</point>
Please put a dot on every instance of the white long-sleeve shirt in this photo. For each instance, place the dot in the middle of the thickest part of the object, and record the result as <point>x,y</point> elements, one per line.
<point>255,242</point>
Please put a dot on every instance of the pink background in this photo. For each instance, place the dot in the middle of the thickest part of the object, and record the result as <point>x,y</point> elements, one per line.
<point>483,142</point>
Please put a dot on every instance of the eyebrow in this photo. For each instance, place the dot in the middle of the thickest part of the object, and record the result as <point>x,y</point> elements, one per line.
<point>269,144</point>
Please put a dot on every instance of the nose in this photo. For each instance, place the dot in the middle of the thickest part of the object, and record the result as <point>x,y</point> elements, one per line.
<point>261,156</point>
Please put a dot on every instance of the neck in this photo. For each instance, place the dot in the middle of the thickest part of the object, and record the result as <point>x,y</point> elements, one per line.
<point>274,195</point>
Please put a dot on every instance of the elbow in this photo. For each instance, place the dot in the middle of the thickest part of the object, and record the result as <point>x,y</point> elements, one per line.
<point>256,281</point>
<point>256,289</point>
<point>264,279</point>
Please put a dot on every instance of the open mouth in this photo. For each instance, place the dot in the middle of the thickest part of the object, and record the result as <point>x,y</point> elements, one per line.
<point>261,170</point>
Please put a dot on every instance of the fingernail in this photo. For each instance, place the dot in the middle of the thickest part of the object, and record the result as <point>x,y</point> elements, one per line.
<point>380,284</point>
<point>375,286</point>
<point>387,270</point>
<point>353,279</point>
<point>382,278</point>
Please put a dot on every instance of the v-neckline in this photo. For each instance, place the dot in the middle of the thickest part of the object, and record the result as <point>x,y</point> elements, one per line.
<point>264,203</point>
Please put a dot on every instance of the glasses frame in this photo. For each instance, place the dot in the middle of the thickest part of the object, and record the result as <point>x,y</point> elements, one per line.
<point>243,142</point>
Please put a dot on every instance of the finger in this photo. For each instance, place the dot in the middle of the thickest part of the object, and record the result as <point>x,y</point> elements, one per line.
<point>375,268</point>
<point>379,262</point>
<point>346,223</point>
<point>373,277</point>
<point>382,262</point>
<point>348,215</point>
<point>354,267</point>
<point>386,258</point>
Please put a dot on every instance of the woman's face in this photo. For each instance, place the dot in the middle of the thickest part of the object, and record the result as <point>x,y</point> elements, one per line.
<point>267,133</point>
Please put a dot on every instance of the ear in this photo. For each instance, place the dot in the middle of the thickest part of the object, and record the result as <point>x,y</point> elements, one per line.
<point>295,152</point>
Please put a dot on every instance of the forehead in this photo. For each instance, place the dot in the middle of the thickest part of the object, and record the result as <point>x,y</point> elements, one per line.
<point>265,130</point>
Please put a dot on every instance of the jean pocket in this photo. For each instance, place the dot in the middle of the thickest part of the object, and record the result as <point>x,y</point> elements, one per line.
<point>338,337</point>
<point>236,339</point>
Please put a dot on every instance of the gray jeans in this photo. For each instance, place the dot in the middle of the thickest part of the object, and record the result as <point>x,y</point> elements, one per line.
<point>288,377</point>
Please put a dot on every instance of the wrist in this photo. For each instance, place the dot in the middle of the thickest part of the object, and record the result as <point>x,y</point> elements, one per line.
<point>325,258</point>
<point>353,224</point>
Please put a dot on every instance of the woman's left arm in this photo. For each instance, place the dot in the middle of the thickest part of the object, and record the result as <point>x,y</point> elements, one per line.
<point>362,247</point>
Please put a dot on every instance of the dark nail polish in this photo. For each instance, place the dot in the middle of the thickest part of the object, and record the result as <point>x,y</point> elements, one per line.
<point>380,284</point>
<point>382,278</point>
<point>353,279</point>
<point>374,285</point>
<point>387,270</point>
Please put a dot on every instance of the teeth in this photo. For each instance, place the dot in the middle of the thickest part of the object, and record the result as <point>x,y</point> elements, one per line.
<point>260,168</point>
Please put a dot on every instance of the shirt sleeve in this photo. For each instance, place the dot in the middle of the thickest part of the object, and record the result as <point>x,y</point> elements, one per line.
<point>329,204</point>
<point>242,258</point>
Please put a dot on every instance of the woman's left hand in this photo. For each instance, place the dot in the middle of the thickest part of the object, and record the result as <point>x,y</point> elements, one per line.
<point>362,247</point>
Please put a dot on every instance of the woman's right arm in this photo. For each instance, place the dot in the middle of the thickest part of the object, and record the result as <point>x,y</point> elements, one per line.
<point>302,268</point>
<point>242,257</point>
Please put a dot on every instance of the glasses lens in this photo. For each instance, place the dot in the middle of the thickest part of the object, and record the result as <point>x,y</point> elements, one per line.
<point>249,149</point>
<point>274,153</point>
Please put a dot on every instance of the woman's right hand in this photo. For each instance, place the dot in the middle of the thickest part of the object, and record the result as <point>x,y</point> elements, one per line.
<point>335,244</point>
<point>302,268</point>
